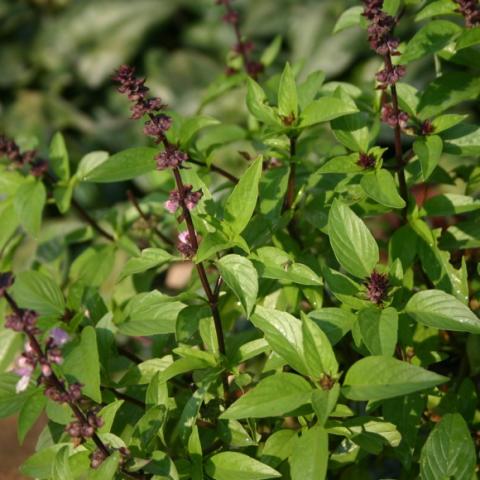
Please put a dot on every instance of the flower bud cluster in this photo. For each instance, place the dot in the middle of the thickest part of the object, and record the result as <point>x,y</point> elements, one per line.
<point>82,430</point>
<point>9,149</point>
<point>158,124</point>
<point>377,287</point>
<point>470,10</point>
<point>381,40</point>
<point>366,161</point>
<point>190,198</point>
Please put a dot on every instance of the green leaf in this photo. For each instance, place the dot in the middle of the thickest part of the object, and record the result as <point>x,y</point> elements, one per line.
<point>353,131</point>
<point>447,91</point>
<point>319,356</point>
<point>240,275</point>
<point>274,396</point>
<point>325,109</point>
<point>428,150</point>
<point>335,322</point>
<point>379,330</point>
<point>449,451</point>
<point>353,244</point>
<point>240,205</point>
<point>257,104</point>
<point>107,469</point>
<point>271,52</point>
<point>309,459</point>
<point>39,465</point>
<point>380,185</point>
<point>349,18</point>
<point>29,414</point>
<point>308,90</point>
<point>437,7</point>
<point>377,378</point>
<point>29,202</point>
<point>90,162</point>
<point>58,157</point>
<point>38,292</point>
<point>284,334</point>
<point>462,139</point>
<point>278,447</point>
<point>60,467</point>
<point>431,38</point>
<point>463,235</point>
<point>107,413</point>
<point>438,309</point>
<point>277,264</point>
<point>324,402</point>
<point>468,38</point>
<point>193,125</point>
<point>450,204</point>
<point>150,313</point>
<point>124,165</point>
<point>148,428</point>
<point>229,465</point>
<point>93,266</point>
<point>149,258</point>
<point>83,364</point>
<point>10,400</point>
<point>287,94</point>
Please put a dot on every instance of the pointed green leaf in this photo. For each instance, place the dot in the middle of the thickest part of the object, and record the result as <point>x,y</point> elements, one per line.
<point>325,109</point>
<point>428,150</point>
<point>287,94</point>
<point>229,465</point>
<point>257,104</point>
<point>124,165</point>
<point>29,202</point>
<point>240,275</point>
<point>38,292</point>
<point>431,38</point>
<point>377,378</point>
<point>353,244</point>
<point>309,459</point>
<point>240,205</point>
<point>438,309</point>
<point>319,356</point>
<point>274,396</point>
<point>284,334</point>
<point>378,328</point>
<point>380,185</point>
<point>58,157</point>
<point>449,451</point>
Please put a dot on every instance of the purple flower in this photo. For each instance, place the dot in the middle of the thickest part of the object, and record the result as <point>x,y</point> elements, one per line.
<point>11,150</point>
<point>377,287</point>
<point>24,366</point>
<point>97,458</point>
<point>59,336</point>
<point>157,126</point>
<point>170,158</point>
<point>22,321</point>
<point>388,116</point>
<point>190,198</point>
<point>390,76</point>
<point>184,245</point>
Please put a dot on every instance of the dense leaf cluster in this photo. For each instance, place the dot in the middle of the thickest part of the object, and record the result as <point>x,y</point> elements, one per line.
<point>328,323</point>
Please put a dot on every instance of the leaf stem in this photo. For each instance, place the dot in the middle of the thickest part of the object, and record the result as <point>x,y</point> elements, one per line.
<point>91,221</point>
<point>211,296</point>
<point>398,142</point>
<point>216,169</point>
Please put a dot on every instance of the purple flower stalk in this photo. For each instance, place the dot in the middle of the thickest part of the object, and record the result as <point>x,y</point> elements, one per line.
<point>242,47</point>
<point>389,117</point>
<point>171,157</point>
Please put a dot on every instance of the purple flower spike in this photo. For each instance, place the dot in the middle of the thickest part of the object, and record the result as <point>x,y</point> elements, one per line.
<point>59,337</point>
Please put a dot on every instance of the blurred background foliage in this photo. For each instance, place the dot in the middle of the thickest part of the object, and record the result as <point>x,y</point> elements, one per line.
<point>57,58</point>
